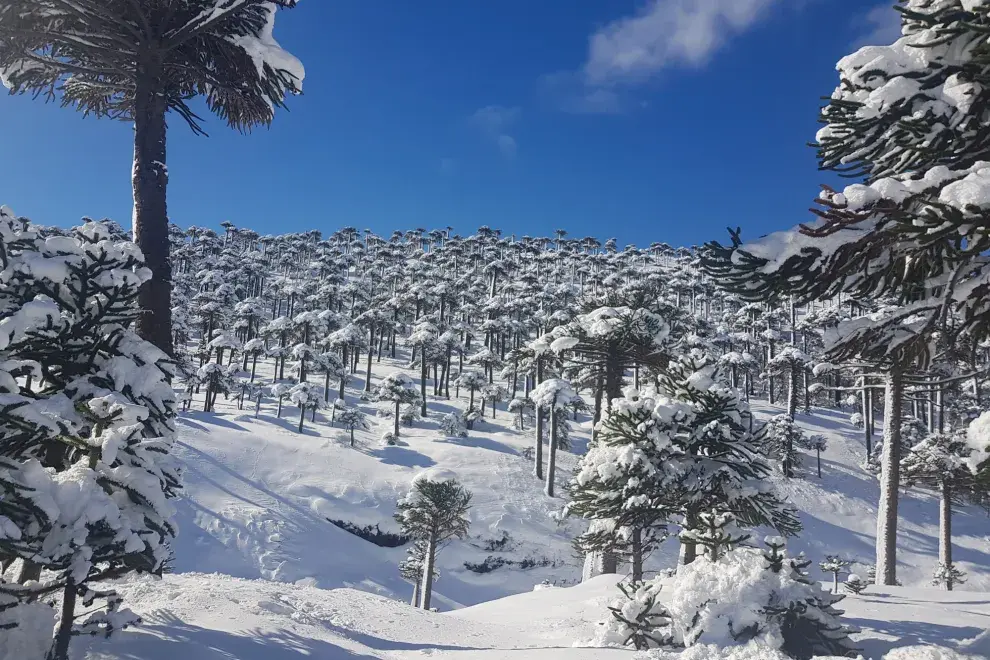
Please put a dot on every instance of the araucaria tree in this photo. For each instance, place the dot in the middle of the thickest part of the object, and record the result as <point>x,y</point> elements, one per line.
<point>137,60</point>
<point>909,240</point>
<point>86,491</point>
<point>434,512</point>
<point>398,389</point>
<point>556,396</point>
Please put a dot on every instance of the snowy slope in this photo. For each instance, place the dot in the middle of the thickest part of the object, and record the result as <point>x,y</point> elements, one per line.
<point>215,617</point>
<point>258,495</point>
<point>838,511</point>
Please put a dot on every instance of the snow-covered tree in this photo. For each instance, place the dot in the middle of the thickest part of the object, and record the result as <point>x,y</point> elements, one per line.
<point>620,480</point>
<point>835,565</point>
<point>280,391</point>
<point>940,462</point>
<point>217,49</point>
<point>472,381</point>
<point>434,512</point>
<point>638,619</point>
<point>217,379</point>
<point>353,419</point>
<point>86,488</point>
<point>452,426</point>
<point>305,396</point>
<point>398,389</point>
<point>781,437</point>
<point>554,395</point>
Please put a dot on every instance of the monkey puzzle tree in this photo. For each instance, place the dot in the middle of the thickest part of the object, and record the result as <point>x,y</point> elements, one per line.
<point>136,60</point>
<point>906,118</point>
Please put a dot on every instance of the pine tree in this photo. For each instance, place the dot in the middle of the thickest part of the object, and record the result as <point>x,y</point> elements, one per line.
<point>836,566</point>
<point>638,620</point>
<point>910,231</point>
<point>554,395</point>
<point>353,419</point>
<point>940,462</point>
<point>809,623</point>
<point>137,61</point>
<point>398,389</point>
<point>781,437</point>
<point>619,480</point>
<point>434,512</point>
<point>305,396</point>
<point>107,451</point>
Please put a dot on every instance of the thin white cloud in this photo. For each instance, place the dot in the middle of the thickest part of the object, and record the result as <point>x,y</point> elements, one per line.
<point>666,33</point>
<point>633,50</point>
<point>883,25</point>
<point>495,121</point>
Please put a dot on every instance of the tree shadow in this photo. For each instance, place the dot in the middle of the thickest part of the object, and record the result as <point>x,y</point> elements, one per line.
<point>401,456</point>
<point>292,425</point>
<point>480,443</point>
<point>908,633</point>
<point>164,635</point>
<point>213,419</point>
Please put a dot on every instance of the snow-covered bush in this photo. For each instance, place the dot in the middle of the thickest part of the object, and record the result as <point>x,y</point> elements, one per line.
<point>747,597</point>
<point>854,584</point>
<point>638,619</point>
<point>751,595</point>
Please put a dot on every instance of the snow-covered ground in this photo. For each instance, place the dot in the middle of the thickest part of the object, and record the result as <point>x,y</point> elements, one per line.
<point>216,617</point>
<point>261,573</point>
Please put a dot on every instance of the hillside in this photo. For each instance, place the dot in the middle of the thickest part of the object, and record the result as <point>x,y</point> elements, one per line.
<point>258,496</point>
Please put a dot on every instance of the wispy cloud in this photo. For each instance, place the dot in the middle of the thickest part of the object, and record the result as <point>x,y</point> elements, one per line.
<point>633,50</point>
<point>495,122</point>
<point>883,26</point>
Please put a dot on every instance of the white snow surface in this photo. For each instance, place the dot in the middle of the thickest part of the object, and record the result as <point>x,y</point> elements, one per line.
<point>260,573</point>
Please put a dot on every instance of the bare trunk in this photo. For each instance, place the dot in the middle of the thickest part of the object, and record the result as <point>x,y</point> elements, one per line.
<point>431,551</point>
<point>150,182</point>
<point>637,555</point>
<point>552,455</point>
<point>60,645</point>
<point>889,482</point>
<point>945,531</point>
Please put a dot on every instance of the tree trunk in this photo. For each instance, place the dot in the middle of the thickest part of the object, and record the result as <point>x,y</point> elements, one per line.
<point>150,181</point>
<point>302,417</point>
<point>945,530</point>
<point>637,555</point>
<point>552,452</point>
<point>538,466</point>
<point>371,353</point>
<point>396,428</point>
<point>792,397</point>
<point>428,561</point>
<point>60,645</point>
<point>889,481</point>
<point>422,381</point>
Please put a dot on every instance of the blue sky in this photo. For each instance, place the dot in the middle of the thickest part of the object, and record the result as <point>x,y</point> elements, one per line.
<point>648,120</point>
